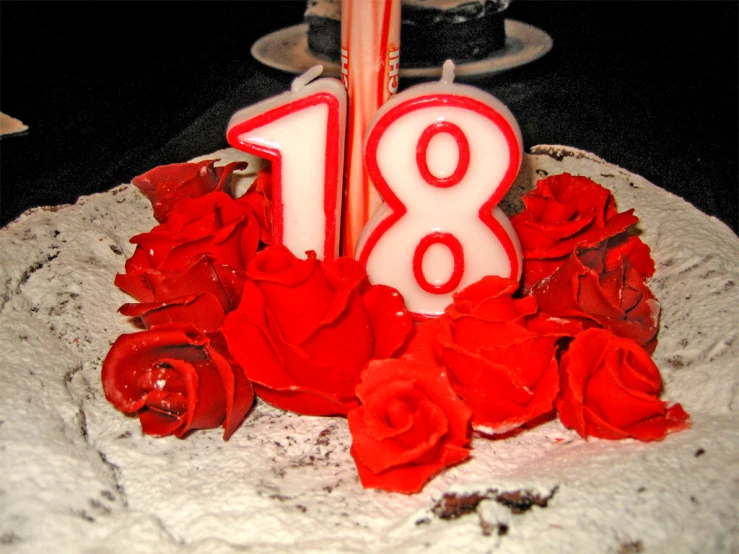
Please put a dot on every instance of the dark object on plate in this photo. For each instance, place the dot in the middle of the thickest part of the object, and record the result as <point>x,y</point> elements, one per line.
<point>431,30</point>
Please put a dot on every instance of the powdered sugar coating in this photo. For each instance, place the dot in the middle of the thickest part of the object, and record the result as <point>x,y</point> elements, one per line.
<point>79,476</point>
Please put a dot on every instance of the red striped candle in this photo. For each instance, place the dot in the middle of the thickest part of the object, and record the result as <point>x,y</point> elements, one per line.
<point>370,67</point>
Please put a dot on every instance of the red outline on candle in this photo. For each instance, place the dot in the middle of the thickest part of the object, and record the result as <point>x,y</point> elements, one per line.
<point>333,169</point>
<point>463,147</point>
<point>398,209</point>
<point>454,246</point>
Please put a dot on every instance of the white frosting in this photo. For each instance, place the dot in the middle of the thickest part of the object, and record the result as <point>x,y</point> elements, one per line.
<point>79,476</point>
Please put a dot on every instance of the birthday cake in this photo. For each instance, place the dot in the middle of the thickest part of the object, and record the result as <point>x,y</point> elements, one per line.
<point>80,476</point>
<point>430,29</point>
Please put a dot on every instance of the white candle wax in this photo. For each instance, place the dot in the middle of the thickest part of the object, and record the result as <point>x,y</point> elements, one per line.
<point>302,133</point>
<point>442,155</point>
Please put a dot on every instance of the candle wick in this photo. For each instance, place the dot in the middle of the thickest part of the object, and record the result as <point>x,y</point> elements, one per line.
<point>305,78</point>
<point>447,72</point>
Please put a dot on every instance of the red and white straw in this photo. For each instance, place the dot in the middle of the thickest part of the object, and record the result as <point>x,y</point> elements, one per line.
<point>370,68</point>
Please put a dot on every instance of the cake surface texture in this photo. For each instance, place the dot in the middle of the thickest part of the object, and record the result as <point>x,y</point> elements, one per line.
<point>78,476</point>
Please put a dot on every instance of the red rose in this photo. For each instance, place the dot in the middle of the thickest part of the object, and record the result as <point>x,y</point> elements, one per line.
<point>200,294</point>
<point>564,211</point>
<point>611,388</point>
<point>259,197</point>
<point>632,248</point>
<point>602,287</point>
<point>177,380</point>
<point>305,329</point>
<point>215,224</point>
<point>411,425</point>
<point>500,355</point>
<point>166,185</point>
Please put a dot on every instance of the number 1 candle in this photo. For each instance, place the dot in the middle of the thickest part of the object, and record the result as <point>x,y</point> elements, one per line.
<point>302,133</point>
<point>370,56</point>
<point>442,155</point>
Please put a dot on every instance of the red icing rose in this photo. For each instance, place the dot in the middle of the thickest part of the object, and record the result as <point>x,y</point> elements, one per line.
<point>200,294</point>
<point>632,248</point>
<point>604,288</point>
<point>305,329</point>
<point>411,425</point>
<point>564,211</point>
<point>259,197</point>
<point>177,380</point>
<point>611,388</point>
<point>215,224</point>
<point>166,185</point>
<point>499,352</point>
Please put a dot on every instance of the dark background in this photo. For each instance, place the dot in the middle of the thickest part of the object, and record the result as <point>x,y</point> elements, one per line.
<point>110,90</point>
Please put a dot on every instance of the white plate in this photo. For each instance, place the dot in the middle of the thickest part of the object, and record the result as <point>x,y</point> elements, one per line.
<point>287,49</point>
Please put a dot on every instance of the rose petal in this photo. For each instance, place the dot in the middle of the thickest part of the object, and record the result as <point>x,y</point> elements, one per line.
<point>632,248</point>
<point>423,342</point>
<point>475,334</point>
<point>612,401</point>
<point>389,318</point>
<point>204,312</point>
<point>136,285</point>
<point>238,391</point>
<point>491,415</point>
<point>409,479</point>
<point>489,289</point>
<point>596,297</point>
<point>247,336</point>
<point>197,277</point>
<point>224,175</point>
<point>345,343</point>
<point>282,373</point>
<point>536,270</point>
<point>675,419</point>
<point>293,288</point>
<point>307,401</point>
<point>166,185</point>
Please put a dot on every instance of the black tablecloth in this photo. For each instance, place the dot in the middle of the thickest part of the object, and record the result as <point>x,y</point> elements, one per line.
<point>110,90</point>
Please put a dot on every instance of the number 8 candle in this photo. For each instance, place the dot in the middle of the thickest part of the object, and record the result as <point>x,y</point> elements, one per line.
<point>302,133</point>
<point>442,155</point>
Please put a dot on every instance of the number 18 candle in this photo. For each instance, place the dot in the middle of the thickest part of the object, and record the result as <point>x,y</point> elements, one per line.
<point>442,155</point>
<point>302,133</point>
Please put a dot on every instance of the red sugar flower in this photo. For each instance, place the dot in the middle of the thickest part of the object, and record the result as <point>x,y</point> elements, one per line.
<point>176,379</point>
<point>603,288</point>
<point>200,294</point>
<point>217,225</point>
<point>166,185</point>
<point>411,425</point>
<point>504,370</point>
<point>305,329</point>
<point>611,388</point>
<point>564,211</point>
